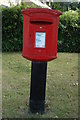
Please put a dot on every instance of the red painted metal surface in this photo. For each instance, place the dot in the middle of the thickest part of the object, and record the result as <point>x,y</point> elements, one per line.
<point>40,34</point>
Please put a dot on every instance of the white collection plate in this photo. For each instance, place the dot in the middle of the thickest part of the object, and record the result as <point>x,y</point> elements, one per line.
<point>40,39</point>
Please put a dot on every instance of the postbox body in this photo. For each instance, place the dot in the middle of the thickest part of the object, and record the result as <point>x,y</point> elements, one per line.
<point>40,34</point>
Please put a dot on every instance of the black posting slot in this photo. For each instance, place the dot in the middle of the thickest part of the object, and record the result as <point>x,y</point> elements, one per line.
<point>41,22</point>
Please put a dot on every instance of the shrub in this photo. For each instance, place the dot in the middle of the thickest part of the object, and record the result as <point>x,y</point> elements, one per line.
<point>69,32</point>
<point>12,29</point>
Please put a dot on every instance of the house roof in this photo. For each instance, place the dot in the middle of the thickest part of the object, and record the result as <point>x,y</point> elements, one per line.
<point>36,2</point>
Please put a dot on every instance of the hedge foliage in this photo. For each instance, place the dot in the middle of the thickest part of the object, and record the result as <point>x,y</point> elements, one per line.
<point>69,32</point>
<point>12,30</point>
<point>12,27</point>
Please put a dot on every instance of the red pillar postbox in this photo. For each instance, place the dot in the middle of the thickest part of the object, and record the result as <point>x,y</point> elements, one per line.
<point>40,34</point>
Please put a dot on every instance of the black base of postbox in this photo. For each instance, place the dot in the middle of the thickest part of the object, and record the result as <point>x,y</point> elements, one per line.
<point>38,86</point>
<point>37,106</point>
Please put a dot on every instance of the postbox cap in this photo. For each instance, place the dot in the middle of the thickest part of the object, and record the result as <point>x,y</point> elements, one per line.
<point>30,11</point>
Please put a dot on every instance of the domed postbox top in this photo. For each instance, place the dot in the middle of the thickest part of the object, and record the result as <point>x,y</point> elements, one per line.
<point>31,11</point>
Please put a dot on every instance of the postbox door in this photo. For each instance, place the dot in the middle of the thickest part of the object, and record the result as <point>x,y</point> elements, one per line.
<point>47,33</point>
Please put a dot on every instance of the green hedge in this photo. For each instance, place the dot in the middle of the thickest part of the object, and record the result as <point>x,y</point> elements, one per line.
<point>69,32</point>
<point>12,27</point>
<point>12,30</point>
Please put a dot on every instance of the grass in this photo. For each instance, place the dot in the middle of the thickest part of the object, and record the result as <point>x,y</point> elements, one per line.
<point>0,85</point>
<point>61,87</point>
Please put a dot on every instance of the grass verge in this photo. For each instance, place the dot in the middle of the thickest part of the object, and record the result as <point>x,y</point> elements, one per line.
<point>61,87</point>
